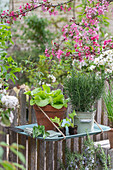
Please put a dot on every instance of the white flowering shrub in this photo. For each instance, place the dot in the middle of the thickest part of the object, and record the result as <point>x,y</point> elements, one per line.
<point>104,62</point>
<point>99,64</point>
<point>7,105</point>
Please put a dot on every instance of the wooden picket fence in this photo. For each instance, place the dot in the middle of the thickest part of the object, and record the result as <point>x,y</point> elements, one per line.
<point>43,155</point>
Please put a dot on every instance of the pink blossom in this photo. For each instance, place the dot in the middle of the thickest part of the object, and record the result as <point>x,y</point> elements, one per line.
<point>8,21</point>
<point>59,53</point>
<point>69,8</point>
<point>20,7</point>
<point>67,54</point>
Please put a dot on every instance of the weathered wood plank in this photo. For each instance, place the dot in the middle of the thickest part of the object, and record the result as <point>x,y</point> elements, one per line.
<point>79,142</point>
<point>22,108</point>
<point>99,111</point>
<point>76,144</point>
<point>22,119</point>
<point>49,155</point>
<point>32,154</point>
<point>57,155</point>
<point>63,152</point>
<point>41,161</point>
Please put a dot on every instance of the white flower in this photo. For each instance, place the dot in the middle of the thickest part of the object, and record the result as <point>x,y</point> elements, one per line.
<point>109,71</point>
<point>48,84</point>
<point>96,61</point>
<point>0,86</point>
<point>92,67</point>
<point>52,77</point>
<point>9,101</point>
<point>102,62</point>
<point>83,63</point>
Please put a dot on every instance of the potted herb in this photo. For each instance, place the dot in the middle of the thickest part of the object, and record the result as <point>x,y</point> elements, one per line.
<point>108,100</point>
<point>50,102</point>
<point>84,89</point>
<point>72,127</point>
<point>70,124</point>
<point>59,122</point>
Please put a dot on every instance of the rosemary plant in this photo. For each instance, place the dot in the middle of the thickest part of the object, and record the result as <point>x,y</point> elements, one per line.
<point>84,89</point>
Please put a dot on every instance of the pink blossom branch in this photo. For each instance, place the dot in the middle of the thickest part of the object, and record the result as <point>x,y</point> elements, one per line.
<point>33,7</point>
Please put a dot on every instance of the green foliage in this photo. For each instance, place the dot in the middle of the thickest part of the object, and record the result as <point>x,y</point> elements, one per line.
<point>7,65</point>
<point>57,120</point>
<point>70,122</point>
<point>6,165</point>
<point>35,36</point>
<point>71,115</point>
<point>44,97</point>
<point>90,158</point>
<point>31,41</point>
<point>108,100</point>
<point>40,130</point>
<point>84,89</point>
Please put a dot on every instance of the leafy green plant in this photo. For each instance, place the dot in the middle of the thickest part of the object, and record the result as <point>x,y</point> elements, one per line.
<point>90,158</point>
<point>35,36</point>
<point>58,121</point>
<point>40,130</point>
<point>45,97</point>
<point>108,100</point>
<point>84,89</point>
<point>6,165</point>
<point>7,65</point>
<point>71,122</point>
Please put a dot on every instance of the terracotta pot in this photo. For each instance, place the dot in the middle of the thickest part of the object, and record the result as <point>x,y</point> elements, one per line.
<point>110,137</point>
<point>51,112</point>
<point>72,130</point>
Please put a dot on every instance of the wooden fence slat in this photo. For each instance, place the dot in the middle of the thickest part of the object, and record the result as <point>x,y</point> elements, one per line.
<point>63,152</point>
<point>75,148</point>
<point>49,155</point>
<point>99,111</point>
<point>57,154</point>
<point>32,116</point>
<point>22,120</point>
<point>32,153</point>
<point>22,108</point>
<point>41,147</point>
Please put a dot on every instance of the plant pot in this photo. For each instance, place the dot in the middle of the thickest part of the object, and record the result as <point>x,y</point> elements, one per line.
<point>51,112</point>
<point>110,137</point>
<point>72,130</point>
<point>63,130</point>
<point>85,121</point>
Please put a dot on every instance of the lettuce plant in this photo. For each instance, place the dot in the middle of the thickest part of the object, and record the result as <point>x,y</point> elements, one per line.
<point>40,130</point>
<point>42,97</point>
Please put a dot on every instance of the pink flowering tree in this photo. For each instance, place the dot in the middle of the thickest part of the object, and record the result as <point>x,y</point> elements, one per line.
<point>82,39</point>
